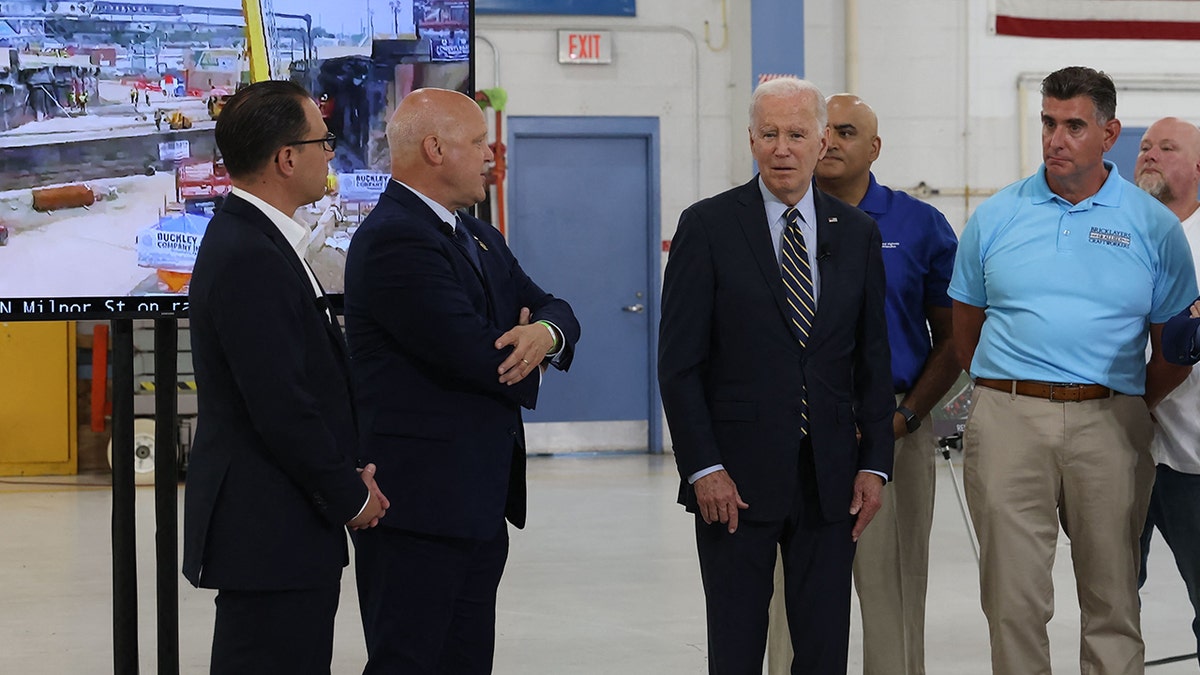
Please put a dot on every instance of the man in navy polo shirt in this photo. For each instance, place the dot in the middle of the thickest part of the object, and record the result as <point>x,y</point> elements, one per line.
<point>891,567</point>
<point>1059,280</point>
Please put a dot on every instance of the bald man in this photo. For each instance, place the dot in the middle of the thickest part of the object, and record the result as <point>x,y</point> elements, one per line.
<point>1168,167</point>
<point>891,566</point>
<point>448,340</point>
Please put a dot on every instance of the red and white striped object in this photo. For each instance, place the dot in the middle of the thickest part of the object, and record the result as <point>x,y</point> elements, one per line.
<point>1102,19</point>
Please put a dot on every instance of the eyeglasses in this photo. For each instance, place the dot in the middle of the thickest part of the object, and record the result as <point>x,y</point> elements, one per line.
<point>330,142</point>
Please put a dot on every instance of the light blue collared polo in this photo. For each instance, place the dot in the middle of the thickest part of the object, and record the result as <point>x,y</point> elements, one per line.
<point>1070,289</point>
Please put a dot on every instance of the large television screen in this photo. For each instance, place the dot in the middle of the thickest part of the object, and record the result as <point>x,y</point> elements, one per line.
<point>108,168</point>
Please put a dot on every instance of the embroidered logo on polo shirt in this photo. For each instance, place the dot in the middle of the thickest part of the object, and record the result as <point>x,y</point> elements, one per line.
<point>1099,235</point>
<point>891,244</point>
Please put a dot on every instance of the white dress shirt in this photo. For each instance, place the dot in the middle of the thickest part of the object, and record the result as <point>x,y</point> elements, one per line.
<point>296,236</point>
<point>775,208</point>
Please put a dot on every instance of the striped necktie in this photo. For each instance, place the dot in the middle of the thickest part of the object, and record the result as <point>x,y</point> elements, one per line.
<point>797,281</point>
<point>797,277</point>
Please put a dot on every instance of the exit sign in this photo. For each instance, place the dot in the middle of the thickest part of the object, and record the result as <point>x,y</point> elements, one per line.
<point>576,46</point>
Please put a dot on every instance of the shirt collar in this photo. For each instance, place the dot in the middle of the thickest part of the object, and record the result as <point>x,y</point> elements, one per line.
<point>776,208</point>
<point>442,212</point>
<point>295,233</point>
<point>1109,193</point>
<point>875,201</point>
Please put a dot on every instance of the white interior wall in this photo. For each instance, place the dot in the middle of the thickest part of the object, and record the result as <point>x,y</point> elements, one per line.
<point>662,67</point>
<point>947,89</point>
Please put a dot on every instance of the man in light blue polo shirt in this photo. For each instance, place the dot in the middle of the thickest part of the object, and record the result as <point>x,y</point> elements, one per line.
<point>1058,282</point>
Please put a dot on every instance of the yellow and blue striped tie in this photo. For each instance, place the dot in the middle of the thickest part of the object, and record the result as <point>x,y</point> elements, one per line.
<point>797,281</point>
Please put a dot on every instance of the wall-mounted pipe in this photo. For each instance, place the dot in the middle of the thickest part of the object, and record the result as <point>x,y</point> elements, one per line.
<point>850,16</point>
<point>965,29</point>
<point>724,31</point>
<point>495,58</point>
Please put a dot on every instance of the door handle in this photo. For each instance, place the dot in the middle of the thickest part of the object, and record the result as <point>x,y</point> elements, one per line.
<point>636,309</point>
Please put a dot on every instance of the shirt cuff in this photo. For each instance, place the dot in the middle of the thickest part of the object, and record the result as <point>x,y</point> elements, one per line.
<point>364,506</point>
<point>556,335</point>
<point>704,472</point>
<point>881,474</point>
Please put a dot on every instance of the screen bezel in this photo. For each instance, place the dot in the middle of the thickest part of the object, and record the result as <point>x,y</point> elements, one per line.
<point>154,306</point>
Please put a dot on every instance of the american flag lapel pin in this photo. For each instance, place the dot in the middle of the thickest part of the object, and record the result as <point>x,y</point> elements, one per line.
<point>833,219</point>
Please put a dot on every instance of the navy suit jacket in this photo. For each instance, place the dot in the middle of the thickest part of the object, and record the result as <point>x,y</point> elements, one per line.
<point>1179,338</point>
<point>733,375</point>
<point>271,479</point>
<point>421,324</point>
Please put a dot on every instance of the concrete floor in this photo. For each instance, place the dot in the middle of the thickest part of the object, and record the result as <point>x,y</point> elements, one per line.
<point>603,581</point>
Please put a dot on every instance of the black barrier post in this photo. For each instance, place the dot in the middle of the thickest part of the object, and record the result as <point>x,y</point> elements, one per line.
<point>124,532</point>
<point>166,491</point>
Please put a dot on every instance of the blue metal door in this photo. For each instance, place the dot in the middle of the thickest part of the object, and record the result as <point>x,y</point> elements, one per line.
<point>1125,151</point>
<point>584,224</point>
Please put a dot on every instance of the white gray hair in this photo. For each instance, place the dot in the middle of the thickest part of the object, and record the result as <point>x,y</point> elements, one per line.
<point>783,86</point>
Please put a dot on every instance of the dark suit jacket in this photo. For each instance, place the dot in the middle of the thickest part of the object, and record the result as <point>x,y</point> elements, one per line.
<point>271,479</point>
<point>732,374</point>
<point>1179,338</point>
<point>421,323</point>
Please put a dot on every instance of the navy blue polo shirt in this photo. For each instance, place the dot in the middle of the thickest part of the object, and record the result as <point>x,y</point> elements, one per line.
<point>918,258</point>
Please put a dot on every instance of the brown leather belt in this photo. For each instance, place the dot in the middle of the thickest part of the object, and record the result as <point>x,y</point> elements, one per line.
<point>1050,391</point>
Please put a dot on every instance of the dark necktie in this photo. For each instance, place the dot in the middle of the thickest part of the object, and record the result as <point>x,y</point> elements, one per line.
<point>797,282</point>
<point>464,240</point>
<point>797,277</point>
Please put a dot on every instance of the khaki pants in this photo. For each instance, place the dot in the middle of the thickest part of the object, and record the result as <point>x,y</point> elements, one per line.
<point>891,569</point>
<point>1030,464</point>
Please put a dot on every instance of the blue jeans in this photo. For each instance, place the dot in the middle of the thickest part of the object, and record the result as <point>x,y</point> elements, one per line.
<point>1175,511</point>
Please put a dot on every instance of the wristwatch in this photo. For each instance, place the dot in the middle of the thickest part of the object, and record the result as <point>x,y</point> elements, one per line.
<point>911,421</point>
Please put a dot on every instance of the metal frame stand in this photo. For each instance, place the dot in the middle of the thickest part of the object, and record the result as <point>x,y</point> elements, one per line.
<point>944,445</point>
<point>124,532</point>
<point>1172,659</point>
<point>166,491</point>
<point>166,488</point>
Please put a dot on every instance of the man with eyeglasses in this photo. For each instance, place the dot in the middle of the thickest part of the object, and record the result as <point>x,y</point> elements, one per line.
<point>272,482</point>
<point>329,142</point>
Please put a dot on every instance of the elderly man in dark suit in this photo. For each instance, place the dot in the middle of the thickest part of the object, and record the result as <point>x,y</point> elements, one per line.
<point>271,479</point>
<point>773,356</point>
<point>448,341</point>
